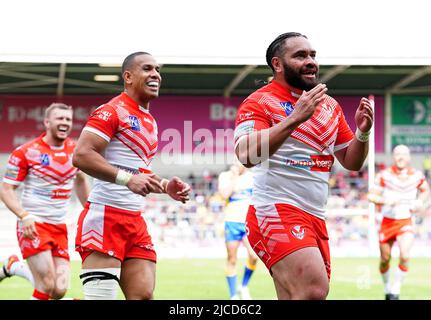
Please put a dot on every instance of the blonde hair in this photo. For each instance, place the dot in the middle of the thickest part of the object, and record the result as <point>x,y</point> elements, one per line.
<point>401,147</point>
<point>56,105</point>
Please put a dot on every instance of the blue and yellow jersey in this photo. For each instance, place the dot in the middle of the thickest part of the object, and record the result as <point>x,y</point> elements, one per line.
<point>239,201</point>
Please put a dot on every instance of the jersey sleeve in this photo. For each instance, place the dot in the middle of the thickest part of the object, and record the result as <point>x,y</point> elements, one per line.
<point>103,122</point>
<point>250,118</point>
<point>379,181</point>
<point>17,168</point>
<point>345,134</point>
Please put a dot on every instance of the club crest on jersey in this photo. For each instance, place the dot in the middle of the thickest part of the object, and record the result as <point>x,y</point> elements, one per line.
<point>298,232</point>
<point>134,123</point>
<point>287,106</point>
<point>35,243</point>
<point>44,159</point>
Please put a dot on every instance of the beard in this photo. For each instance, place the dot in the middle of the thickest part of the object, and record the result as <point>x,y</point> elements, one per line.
<point>294,79</point>
<point>59,136</point>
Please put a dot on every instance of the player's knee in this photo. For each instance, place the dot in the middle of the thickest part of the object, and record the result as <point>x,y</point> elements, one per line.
<point>231,259</point>
<point>317,292</point>
<point>58,293</point>
<point>231,264</point>
<point>317,288</point>
<point>143,294</point>
<point>147,295</point>
<point>385,259</point>
<point>384,264</point>
<point>100,284</point>
<point>48,283</point>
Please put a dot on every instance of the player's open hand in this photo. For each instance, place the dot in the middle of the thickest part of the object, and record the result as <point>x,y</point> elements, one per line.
<point>178,190</point>
<point>364,116</point>
<point>144,184</point>
<point>307,103</point>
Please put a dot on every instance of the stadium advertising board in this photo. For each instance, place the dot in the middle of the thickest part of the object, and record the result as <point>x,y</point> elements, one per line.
<point>411,122</point>
<point>185,123</point>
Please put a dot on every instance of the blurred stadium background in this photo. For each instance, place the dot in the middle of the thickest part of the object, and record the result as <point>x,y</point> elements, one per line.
<point>196,113</point>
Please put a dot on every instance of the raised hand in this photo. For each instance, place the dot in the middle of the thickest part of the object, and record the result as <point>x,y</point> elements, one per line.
<point>364,116</point>
<point>178,190</point>
<point>307,103</point>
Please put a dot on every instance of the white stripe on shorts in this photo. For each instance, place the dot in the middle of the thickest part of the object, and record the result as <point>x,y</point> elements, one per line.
<point>92,226</point>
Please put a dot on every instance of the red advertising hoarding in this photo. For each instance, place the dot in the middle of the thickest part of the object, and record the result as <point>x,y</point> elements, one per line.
<point>185,122</point>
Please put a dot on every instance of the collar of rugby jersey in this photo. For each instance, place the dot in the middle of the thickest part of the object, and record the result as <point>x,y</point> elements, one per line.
<point>127,99</point>
<point>42,142</point>
<point>294,92</point>
<point>397,171</point>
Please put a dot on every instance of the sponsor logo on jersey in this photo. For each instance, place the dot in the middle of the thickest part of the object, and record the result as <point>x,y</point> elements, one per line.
<point>147,246</point>
<point>61,194</point>
<point>287,106</point>
<point>298,232</point>
<point>321,163</point>
<point>104,115</point>
<point>44,159</point>
<point>41,193</point>
<point>145,170</point>
<point>60,154</point>
<point>134,123</point>
<point>246,115</point>
<point>131,170</point>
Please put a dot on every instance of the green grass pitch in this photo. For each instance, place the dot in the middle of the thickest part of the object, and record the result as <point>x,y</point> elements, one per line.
<point>202,279</point>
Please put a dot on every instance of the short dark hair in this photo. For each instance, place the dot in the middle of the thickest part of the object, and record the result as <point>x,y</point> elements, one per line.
<point>129,59</point>
<point>277,46</point>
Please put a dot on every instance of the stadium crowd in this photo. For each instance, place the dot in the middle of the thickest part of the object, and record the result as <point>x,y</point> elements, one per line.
<point>201,219</point>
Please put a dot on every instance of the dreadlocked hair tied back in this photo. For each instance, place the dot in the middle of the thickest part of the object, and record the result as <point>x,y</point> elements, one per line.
<point>276,46</point>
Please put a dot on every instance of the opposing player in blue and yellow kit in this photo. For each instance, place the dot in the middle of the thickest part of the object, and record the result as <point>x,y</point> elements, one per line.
<point>235,185</point>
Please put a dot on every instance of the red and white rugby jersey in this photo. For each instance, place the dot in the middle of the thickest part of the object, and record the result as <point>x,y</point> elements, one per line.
<point>401,186</point>
<point>298,173</point>
<point>132,135</point>
<point>48,174</point>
